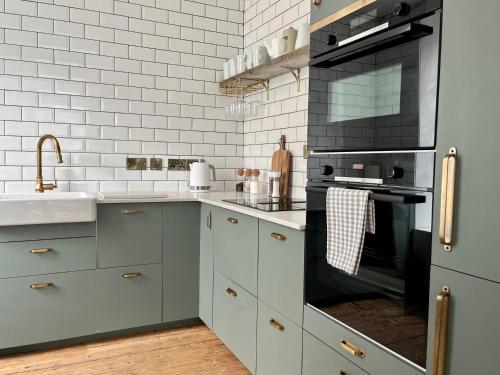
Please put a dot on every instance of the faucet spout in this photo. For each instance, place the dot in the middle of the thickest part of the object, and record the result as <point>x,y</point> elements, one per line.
<point>40,187</point>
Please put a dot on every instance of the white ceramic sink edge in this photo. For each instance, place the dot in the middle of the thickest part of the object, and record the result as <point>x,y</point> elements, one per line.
<point>47,208</point>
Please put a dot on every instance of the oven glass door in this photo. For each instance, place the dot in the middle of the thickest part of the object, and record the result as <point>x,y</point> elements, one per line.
<point>387,300</point>
<point>385,100</point>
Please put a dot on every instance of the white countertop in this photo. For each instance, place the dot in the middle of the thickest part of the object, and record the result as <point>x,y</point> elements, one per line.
<point>291,219</point>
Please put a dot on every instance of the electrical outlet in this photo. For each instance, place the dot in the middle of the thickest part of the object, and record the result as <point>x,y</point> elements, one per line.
<point>180,164</point>
<point>189,161</point>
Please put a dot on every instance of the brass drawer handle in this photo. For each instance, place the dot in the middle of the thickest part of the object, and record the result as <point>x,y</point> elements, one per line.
<point>277,325</point>
<point>317,3</point>
<point>40,250</point>
<point>441,331</point>
<point>130,211</point>
<point>355,351</point>
<point>41,285</point>
<point>232,220</point>
<point>342,372</point>
<point>231,292</point>
<point>131,275</point>
<point>447,199</point>
<point>278,236</point>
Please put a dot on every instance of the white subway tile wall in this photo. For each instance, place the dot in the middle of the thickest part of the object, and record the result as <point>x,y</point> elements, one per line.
<point>114,79</point>
<point>285,108</point>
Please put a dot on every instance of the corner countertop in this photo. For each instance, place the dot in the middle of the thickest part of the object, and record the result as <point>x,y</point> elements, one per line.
<point>292,219</point>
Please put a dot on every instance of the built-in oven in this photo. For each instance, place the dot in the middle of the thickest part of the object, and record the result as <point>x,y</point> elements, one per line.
<point>374,78</point>
<point>372,125</point>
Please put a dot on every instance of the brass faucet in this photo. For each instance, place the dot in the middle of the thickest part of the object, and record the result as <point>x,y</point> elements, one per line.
<point>40,187</point>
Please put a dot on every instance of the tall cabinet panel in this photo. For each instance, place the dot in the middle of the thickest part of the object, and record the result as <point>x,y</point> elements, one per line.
<point>469,115</point>
<point>206,264</point>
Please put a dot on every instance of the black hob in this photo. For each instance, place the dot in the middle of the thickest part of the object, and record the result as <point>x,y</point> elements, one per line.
<point>270,204</point>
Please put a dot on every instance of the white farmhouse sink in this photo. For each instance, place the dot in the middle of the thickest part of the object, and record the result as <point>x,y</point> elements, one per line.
<point>46,208</point>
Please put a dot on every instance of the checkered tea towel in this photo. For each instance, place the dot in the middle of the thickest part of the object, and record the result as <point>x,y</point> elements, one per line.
<point>349,214</point>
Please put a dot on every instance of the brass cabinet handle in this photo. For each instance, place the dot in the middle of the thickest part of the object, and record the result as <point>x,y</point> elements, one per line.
<point>131,275</point>
<point>447,199</point>
<point>41,285</point>
<point>278,236</point>
<point>342,372</point>
<point>40,250</point>
<point>232,220</point>
<point>441,331</point>
<point>317,2</point>
<point>277,325</point>
<point>209,220</point>
<point>129,211</point>
<point>231,292</point>
<point>355,351</point>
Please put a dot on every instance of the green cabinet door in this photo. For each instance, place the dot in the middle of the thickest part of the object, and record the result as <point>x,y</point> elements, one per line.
<point>129,297</point>
<point>206,264</point>
<point>129,234</point>
<point>181,252</point>
<point>45,308</point>
<point>328,7</point>
<point>281,269</point>
<point>279,343</point>
<point>320,359</point>
<point>473,323</point>
<point>468,119</point>
<point>236,247</point>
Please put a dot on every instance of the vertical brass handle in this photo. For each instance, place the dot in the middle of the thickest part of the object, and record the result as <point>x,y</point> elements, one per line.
<point>278,236</point>
<point>232,220</point>
<point>447,199</point>
<point>41,285</point>
<point>350,348</point>
<point>40,250</point>
<point>277,325</point>
<point>209,220</point>
<point>129,211</point>
<point>317,2</point>
<point>441,331</point>
<point>131,275</point>
<point>231,292</point>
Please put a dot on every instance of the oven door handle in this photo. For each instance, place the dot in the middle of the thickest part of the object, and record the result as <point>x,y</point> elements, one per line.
<point>380,197</point>
<point>370,44</point>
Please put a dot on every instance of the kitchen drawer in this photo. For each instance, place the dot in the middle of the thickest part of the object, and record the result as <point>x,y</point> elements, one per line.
<point>129,297</point>
<point>236,247</point>
<point>375,360</point>
<point>320,359</point>
<point>281,269</point>
<point>47,256</point>
<point>129,234</point>
<point>279,343</point>
<point>62,310</point>
<point>235,319</point>
<point>46,231</point>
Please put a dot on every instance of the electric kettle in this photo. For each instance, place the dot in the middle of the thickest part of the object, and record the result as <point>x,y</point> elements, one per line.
<point>199,176</point>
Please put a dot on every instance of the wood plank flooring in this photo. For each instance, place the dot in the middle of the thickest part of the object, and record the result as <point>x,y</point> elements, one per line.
<point>192,350</point>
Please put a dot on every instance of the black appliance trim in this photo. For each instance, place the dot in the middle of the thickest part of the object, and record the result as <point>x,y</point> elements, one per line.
<point>370,44</point>
<point>381,197</point>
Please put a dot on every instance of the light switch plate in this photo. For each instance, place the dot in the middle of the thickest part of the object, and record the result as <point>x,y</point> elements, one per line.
<point>136,164</point>
<point>156,164</point>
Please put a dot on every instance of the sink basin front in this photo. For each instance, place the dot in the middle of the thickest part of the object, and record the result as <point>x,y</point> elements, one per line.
<point>46,208</point>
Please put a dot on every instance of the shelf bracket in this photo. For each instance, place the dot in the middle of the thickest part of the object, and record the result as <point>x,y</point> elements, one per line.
<point>296,74</point>
<point>266,86</point>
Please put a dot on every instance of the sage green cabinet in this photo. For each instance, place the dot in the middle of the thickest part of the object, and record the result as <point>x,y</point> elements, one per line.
<point>129,297</point>
<point>279,343</point>
<point>236,247</point>
<point>46,231</point>
<point>38,309</point>
<point>129,234</point>
<point>468,117</point>
<point>181,260</point>
<point>327,8</point>
<point>281,269</point>
<point>47,256</point>
<point>206,264</point>
<point>473,323</point>
<point>320,359</point>
<point>235,319</point>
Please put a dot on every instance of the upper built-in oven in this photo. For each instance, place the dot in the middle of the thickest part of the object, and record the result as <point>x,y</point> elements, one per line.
<point>374,78</point>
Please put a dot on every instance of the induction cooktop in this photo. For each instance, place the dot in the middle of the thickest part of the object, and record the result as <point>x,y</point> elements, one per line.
<point>270,204</point>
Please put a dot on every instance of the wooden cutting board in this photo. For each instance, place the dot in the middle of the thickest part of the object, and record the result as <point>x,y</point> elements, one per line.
<point>281,162</point>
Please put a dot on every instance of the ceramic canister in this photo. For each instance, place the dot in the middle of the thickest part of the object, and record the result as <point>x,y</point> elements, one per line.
<point>290,35</point>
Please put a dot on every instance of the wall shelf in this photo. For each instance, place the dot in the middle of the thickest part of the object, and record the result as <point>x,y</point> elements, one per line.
<point>257,78</point>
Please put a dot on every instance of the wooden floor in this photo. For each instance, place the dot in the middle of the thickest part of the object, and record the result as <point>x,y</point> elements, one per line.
<point>190,350</point>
